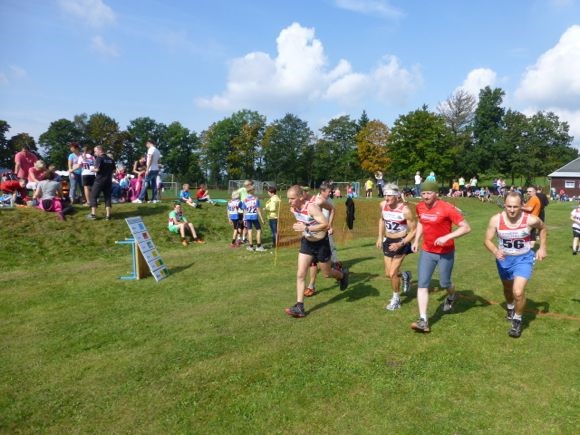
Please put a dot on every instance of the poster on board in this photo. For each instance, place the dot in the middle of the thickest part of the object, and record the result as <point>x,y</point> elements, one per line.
<point>146,249</point>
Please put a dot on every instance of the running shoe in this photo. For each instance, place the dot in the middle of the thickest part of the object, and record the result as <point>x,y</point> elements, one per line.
<point>233,245</point>
<point>137,201</point>
<point>309,291</point>
<point>296,311</point>
<point>250,248</point>
<point>509,315</point>
<point>406,280</point>
<point>344,279</point>
<point>199,241</point>
<point>107,218</point>
<point>394,304</point>
<point>516,329</point>
<point>184,242</point>
<point>91,217</point>
<point>448,304</point>
<point>260,249</point>
<point>421,325</point>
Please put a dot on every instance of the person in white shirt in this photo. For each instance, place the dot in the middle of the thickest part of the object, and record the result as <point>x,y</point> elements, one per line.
<point>151,172</point>
<point>418,181</point>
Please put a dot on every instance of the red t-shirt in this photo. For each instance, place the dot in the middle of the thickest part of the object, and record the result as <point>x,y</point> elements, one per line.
<point>200,193</point>
<point>437,221</point>
<point>26,160</point>
<point>13,186</point>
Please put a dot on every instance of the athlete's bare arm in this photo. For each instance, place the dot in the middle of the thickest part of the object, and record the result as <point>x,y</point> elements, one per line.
<point>490,236</point>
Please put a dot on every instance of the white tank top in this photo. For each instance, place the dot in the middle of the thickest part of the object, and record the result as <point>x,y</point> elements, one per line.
<point>394,219</point>
<point>514,240</point>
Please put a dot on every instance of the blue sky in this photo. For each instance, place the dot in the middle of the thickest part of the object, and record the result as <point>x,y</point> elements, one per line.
<point>197,62</point>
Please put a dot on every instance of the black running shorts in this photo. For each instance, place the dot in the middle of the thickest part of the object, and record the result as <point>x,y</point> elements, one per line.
<point>319,251</point>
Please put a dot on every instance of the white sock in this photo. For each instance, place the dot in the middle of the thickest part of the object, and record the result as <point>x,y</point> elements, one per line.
<point>396,296</point>
<point>423,316</point>
<point>511,306</point>
<point>517,316</point>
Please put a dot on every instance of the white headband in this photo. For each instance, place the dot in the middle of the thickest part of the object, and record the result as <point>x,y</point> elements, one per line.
<point>391,193</point>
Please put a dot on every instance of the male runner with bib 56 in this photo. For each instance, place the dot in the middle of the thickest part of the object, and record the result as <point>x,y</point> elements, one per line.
<point>311,222</point>
<point>514,255</point>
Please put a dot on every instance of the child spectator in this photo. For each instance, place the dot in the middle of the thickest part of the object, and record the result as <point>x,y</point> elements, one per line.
<point>273,208</point>
<point>185,196</point>
<point>17,190</point>
<point>202,195</point>
<point>178,224</point>
<point>235,219</point>
<point>251,207</point>
<point>87,163</point>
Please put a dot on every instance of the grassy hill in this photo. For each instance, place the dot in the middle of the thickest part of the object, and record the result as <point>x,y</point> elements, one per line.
<point>210,350</point>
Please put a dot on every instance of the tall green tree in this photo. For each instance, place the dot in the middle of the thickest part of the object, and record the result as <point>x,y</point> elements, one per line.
<point>182,155</point>
<point>104,131</point>
<point>17,141</point>
<point>284,144</point>
<point>420,141</point>
<point>487,130</point>
<point>336,151</point>
<point>139,131</point>
<point>6,154</point>
<point>57,139</point>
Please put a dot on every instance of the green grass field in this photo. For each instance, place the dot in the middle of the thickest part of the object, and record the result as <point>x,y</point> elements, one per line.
<point>210,350</point>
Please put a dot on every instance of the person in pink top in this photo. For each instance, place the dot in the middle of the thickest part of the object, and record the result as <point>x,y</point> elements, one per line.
<point>23,161</point>
<point>36,174</point>
<point>435,220</point>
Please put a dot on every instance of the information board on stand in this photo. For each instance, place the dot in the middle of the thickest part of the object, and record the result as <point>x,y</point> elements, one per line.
<point>148,260</point>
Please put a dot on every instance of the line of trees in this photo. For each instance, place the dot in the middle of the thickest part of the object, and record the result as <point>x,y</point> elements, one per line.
<point>462,137</point>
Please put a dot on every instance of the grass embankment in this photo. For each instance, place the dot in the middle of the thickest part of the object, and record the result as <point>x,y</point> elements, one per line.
<point>209,349</point>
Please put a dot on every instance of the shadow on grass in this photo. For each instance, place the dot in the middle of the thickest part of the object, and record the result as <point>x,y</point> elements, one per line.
<point>531,311</point>
<point>174,270</point>
<point>358,289</point>
<point>467,300</point>
<point>146,210</point>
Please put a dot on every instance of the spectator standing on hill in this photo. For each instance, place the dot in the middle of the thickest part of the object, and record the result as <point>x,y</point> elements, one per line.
<point>544,202</point>
<point>533,206</point>
<point>397,227</point>
<point>431,177</point>
<point>151,172</point>
<point>418,181</point>
<point>369,188</point>
<point>23,161</point>
<point>86,162</point>
<point>236,219</point>
<point>435,223</point>
<point>273,208</point>
<point>514,255</point>
<point>380,183</point>
<point>314,245</point>
<point>74,173</point>
<point>139,168</point>
<point>103,169</point>
<point>461,185</point>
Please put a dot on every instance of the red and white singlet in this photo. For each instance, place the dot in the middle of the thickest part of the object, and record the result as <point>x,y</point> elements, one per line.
<point>303,216</point>
<point>394,219</point>
<point>514,240</point>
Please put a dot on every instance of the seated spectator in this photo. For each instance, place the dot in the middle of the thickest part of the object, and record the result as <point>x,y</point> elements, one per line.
<point>16,189</point>
<point>178,224</point>
<point>121,184</point>
<point>36,174</point>
<point>185,196</point>
<point>48,195</point>
<point>202,195</point>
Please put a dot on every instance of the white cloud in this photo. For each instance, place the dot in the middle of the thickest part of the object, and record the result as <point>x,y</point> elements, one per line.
<point>478,79</point>
<point>93,12</point>
<point>99,45</point>
<point>371,7</point>
<point>555,79</point>
<point>14,73</point>
<point>300,74</point>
